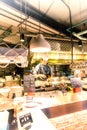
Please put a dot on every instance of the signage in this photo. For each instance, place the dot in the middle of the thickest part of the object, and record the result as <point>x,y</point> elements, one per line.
<point>25,121</point>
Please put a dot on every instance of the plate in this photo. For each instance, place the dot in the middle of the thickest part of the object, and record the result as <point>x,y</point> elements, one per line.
<point>31,104</point>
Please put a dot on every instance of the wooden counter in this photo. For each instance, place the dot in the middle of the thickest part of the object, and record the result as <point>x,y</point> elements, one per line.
<point>65,109</point>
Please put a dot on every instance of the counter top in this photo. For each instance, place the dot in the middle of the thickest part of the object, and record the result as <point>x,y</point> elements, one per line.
<point>48,106</point>
<point>45,105</point>
<point>40,121</point>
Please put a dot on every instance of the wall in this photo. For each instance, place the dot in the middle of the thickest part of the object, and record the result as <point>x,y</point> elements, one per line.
<point>61,52</point>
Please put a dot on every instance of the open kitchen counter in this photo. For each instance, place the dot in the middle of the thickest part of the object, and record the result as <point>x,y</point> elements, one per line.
<point>44,109</point>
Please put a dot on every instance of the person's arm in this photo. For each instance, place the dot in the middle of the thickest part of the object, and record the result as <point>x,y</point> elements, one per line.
<point>37,72</point>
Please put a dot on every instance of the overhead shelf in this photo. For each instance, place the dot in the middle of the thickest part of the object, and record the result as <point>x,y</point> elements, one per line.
<point>16,55</point>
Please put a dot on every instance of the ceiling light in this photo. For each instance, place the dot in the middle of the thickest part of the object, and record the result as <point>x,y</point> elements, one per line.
<point>80,43</point>
<point>22,37</point>
<point>39,44</point>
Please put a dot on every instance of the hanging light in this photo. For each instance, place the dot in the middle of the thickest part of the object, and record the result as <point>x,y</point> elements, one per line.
<point>22,37</point>
<point>39,44</point>
<point>80,43</point>
<point>21,21</point>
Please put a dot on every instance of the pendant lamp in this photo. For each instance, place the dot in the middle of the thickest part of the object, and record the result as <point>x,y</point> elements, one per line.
<point>39,44</point>
<point>22,37</point>
<point>21,21</point>
<point>80,43</point>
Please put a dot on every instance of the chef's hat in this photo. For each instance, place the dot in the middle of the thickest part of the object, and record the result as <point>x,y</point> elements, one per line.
<point>45,58</point>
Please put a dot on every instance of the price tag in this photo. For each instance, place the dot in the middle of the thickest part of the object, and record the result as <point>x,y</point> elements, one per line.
<point>25,120</point>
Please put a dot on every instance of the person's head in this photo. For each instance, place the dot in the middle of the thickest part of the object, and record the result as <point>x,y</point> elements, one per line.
<point>44,60</point>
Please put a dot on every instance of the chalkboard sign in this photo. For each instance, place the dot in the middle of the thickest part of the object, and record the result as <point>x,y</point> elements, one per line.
<point>26,118</point>
<point>29,82</point>
<point>25,121</point>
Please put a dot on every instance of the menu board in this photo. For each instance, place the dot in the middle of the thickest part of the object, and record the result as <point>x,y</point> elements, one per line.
<point>25,121</point>
<point>29,82</point>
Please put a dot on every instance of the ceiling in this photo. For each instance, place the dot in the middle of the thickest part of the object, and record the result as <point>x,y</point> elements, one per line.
<point>55,19</point>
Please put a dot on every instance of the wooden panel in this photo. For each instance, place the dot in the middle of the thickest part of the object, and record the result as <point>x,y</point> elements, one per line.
<point>65,109</point>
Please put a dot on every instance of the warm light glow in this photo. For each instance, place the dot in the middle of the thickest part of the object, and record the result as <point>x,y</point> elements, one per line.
<point>39,44</point>
<point>40,49</point>
<point>22,37</point>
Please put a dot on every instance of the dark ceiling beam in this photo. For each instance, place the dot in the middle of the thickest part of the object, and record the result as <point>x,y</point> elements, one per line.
<point>37,15</point>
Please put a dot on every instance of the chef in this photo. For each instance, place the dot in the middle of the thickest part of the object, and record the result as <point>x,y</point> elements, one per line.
<point>42,71</point>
